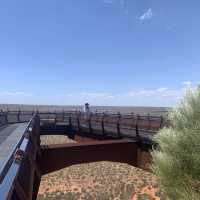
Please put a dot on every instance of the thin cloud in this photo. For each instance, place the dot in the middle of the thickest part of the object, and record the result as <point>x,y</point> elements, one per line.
<point>100,95</point>
<point>121,2</point>
<point>147,15</point>
<point>162,89</point>
<point>108,1</point>
<point>187,83</point>
<point>17,93</point>
<point>161,96</point>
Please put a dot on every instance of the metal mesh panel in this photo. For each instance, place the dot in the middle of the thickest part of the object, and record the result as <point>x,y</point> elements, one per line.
<point>25,116</point>
<point>2,119</point>
<point>12,117</point>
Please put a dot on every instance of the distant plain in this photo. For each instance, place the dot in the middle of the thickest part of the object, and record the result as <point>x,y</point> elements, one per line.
<point>110,109</point>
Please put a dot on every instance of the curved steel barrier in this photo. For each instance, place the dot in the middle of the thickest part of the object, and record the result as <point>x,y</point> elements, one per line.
<point>118,125</point>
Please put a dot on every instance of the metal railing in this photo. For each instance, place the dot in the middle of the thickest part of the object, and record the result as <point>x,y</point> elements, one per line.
<point>20,163</point>
<point>117,124</point>
<point>130,125</point>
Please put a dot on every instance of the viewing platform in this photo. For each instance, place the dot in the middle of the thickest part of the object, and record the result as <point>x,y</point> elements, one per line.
<point>98,137</point>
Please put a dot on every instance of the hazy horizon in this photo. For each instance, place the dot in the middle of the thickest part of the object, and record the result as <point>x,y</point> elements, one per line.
<point>110,109</point>
<point>61,105</point>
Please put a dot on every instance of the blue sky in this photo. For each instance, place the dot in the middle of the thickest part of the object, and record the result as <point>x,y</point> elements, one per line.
<point>106,52</point>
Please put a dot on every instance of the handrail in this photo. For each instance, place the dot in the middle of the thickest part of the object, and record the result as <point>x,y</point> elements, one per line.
<point>75,112</point>
<point>7,164</point>
<point>76,119</point>
<point>108,117</point>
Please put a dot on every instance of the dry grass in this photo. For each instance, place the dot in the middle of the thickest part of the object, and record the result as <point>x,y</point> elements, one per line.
<point>100,181</point>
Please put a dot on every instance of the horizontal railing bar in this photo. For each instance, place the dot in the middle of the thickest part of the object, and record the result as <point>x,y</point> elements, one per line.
<point>75,112</point>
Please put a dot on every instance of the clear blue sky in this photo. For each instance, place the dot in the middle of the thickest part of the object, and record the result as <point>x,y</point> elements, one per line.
<point>106,52</point>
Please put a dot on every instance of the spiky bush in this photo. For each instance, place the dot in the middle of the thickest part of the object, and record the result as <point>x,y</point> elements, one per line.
<point>176,161</point>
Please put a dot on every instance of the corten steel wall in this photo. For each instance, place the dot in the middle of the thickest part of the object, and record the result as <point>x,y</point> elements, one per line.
<point>55,157</point>
<point>133,126</point>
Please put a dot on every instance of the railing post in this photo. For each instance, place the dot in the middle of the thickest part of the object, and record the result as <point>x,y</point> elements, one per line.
<point>102,124</point>
<point>149,122</point>
<point>161,121</point>
<point>1,115</point>
<point>55,121</point>
<point>78,121</point>
<point>136,127</point>
<point>6,116</point>
<point>63,115</point>
<point>55,116</point>
<point>133,119</point>
<point>70,121</point>
<point>18,116</point>
<point>118,126</point>
<point>89,123</point>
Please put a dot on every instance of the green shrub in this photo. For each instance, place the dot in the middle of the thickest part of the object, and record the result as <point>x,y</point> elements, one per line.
<point>176,161</point>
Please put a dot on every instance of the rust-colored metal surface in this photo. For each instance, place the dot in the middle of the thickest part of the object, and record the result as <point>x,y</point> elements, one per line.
<point>100,137</point>
<point>55,157</point>
<point>104,123</point>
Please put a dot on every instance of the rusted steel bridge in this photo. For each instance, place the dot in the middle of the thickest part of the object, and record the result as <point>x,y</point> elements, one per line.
<point>99,136</point>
